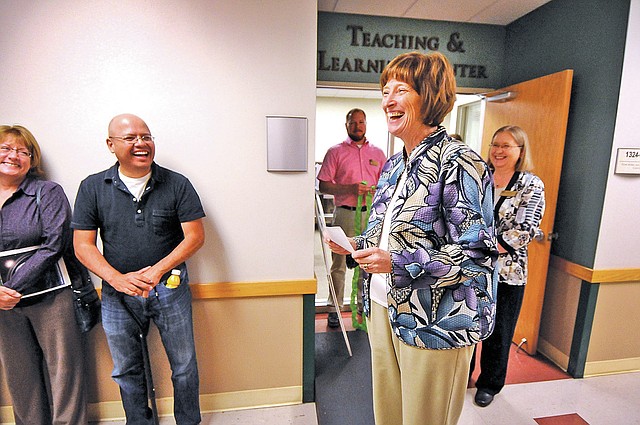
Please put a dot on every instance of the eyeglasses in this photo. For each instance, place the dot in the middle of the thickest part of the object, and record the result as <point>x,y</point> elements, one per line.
<point>22,153</point>
<point>132,140</point>
<point>356,122</point>
<point>505,147</point>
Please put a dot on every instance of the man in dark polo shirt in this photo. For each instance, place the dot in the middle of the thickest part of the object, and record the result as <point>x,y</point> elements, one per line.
<point>150,223</point>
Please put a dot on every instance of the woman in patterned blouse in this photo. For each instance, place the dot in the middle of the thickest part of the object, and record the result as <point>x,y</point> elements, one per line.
<point>519,206</point>
<point>428,250</point>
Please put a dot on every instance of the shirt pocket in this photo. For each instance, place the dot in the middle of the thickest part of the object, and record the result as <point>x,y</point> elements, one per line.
<point>165,221</point>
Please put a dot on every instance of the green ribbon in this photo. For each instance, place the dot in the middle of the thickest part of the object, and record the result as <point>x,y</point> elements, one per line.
<point>360,217</point>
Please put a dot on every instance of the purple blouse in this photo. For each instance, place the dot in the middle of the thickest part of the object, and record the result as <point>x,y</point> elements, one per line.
<point>23,223</point>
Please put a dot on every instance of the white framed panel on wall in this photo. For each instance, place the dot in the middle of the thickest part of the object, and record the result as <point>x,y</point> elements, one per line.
<point>287,141</point>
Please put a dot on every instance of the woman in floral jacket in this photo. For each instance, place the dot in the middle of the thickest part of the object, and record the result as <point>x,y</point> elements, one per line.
<point>519,206</point>
<point>429,250</point>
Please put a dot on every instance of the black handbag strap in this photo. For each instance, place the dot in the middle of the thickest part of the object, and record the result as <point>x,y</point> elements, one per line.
<point>75,287</point>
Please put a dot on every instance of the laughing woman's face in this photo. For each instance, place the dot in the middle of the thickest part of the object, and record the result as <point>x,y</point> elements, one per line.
<point>15,158</point>
<point>401,104</point>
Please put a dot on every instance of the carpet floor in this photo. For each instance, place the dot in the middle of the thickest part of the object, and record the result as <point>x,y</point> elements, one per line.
<point>343,383</point>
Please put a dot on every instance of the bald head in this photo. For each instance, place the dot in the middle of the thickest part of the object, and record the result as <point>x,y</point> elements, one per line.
<point>121,121</point>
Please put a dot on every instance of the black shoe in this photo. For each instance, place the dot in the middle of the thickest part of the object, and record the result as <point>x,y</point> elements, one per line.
<point>332,320</point>
<point>483,398</point>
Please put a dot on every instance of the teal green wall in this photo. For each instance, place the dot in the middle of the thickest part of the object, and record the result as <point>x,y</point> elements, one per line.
<point>587,36</point>
<point>308,348</point>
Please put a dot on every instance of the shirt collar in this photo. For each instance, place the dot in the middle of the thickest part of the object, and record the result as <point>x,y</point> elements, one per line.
<point>350,141</point>
<point>28,185</point>
<point>429,141</point>
<point>112,173</point>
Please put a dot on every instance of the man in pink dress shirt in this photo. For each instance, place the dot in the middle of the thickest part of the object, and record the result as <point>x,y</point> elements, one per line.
<point>349,169</point>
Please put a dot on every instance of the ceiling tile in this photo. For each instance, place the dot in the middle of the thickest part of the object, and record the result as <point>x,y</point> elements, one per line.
<point>452,10</point>
<point>503,12</point>
<point>496,12</point>
<point>374,7</point>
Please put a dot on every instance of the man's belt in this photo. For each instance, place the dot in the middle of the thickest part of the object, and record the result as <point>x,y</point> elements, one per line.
<point>347,207</point>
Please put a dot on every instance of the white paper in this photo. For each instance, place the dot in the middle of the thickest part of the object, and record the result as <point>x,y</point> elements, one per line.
<point>337,235</point>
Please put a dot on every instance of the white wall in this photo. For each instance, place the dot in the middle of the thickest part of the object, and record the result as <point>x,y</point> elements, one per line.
<point>618,229</point>
<point>203,74</point>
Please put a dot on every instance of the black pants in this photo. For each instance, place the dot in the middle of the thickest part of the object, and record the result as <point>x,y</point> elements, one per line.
<point>494,355</point>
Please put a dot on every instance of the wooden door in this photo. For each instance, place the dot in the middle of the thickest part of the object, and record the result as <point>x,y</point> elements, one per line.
<point>540,107</point>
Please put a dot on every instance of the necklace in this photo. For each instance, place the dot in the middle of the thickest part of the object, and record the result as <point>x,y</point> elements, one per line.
<point>501,180</point>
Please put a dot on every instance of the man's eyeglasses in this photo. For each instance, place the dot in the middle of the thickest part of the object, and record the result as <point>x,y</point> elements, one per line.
<point>131,140</point>
<point>22,153</point>
<point>505,147</point>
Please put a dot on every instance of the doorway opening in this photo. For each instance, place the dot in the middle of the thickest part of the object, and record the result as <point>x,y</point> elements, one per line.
<point>332,104</point>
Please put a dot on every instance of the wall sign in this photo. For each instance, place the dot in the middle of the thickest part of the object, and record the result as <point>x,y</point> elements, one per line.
<point>287,142</point>
<point>356,48</point>
<point>628,161</point>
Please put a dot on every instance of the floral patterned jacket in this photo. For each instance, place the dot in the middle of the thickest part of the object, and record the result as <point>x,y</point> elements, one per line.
<point>518,214</point>
<point>442,245</point>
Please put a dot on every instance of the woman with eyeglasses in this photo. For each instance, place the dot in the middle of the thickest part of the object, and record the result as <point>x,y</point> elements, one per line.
<point>518,210</point>
<point>38,331</point>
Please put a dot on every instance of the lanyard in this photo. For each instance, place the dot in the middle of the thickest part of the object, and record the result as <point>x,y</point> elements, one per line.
<point>360,218</point>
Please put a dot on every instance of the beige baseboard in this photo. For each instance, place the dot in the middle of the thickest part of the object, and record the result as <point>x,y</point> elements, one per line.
<point>240,400</point>
<point>595,368</point>
<point>108,410</point>
<point>556,356</point>
<point>6,415</point>
<point>252,399</point>
<point>610,367</point>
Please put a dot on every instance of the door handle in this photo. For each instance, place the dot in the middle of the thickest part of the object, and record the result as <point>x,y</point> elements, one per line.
<point>539,236</point>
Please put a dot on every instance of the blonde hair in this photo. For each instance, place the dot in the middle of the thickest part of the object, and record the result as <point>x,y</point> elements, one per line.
<point>525,162</point>
<point>29,142</point>
<point>431,76</point>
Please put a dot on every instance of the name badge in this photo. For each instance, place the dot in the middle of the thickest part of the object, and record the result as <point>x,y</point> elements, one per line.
<point>374,162</point>
<point>508,193</point>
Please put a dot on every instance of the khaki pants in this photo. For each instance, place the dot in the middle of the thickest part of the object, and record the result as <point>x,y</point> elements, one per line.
<point>414,386</point>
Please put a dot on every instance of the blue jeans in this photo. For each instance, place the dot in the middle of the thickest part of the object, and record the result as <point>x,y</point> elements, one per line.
<point>170,310</point>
